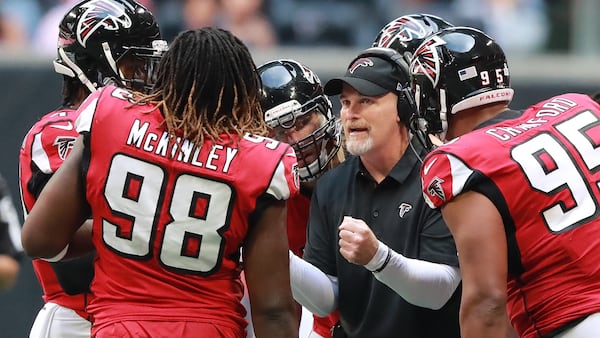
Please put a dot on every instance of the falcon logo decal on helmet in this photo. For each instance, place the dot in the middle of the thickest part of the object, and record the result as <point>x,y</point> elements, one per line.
<point>435,188</point>
<point>64,144</point>
<point>362,62</point>
<point>310,76</point>
<point>101,14</point>
<point>402,29</point>
<point>426,60</point>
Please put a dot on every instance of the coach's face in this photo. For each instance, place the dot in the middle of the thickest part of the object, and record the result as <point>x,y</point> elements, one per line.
<point>370,122</point>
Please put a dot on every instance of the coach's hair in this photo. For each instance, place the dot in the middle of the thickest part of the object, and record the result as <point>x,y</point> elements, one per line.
<point>207,85</point>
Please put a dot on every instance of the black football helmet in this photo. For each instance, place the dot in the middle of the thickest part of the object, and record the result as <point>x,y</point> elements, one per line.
<point>455,69</point>
<point>96,35</point>
<point>404,34</point>
<point>291,91</point>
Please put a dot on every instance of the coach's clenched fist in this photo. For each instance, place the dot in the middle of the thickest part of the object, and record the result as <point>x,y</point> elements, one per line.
<point>358,243</point>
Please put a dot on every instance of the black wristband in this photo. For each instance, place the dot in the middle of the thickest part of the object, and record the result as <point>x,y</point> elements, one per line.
<point>385,263</point>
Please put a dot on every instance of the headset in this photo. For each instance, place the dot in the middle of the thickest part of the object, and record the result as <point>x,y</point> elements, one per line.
<point>406,106</point>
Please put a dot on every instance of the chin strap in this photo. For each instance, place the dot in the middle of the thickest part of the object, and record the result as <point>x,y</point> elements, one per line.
<point>72,70</point>
<point>418,127</point>
<point>111,60</point>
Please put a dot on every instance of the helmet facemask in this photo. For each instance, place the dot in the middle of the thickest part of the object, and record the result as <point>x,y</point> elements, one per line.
<point>137,66</point>
<point>315,150</point>
<point>432,111</point>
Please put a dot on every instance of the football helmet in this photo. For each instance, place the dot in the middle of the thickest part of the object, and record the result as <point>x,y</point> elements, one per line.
<point>455,69</point>
<point>98,36</point>
<point>404,34</point>
<point>290,94</point>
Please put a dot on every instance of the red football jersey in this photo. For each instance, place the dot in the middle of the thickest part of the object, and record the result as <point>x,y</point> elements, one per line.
<point>542,173</point>
<point>170,216</point>
<point>45,147</point>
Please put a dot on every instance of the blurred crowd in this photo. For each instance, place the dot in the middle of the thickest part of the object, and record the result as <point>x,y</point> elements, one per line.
<point>267,23</point>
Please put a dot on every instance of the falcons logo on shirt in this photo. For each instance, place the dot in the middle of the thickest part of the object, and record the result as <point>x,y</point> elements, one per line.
<point>64,144</point>
<point>296,173</point>
<point>426,60</point>
<point>435,188</point>
<point>101,14</point>
<point>403,209</point>
<point>403,29</point>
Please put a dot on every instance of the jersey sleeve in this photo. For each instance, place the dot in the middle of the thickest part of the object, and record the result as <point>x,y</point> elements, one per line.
<point>51,144</point>
<point>443,176</point>
<point>87,109</point>
<point>285,181</point>
<point>44,149</point>
<point>86,115</point>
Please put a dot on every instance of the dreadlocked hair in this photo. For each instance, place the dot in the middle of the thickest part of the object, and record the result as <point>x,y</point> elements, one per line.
<point>207,85</point>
